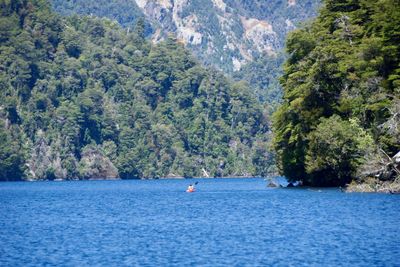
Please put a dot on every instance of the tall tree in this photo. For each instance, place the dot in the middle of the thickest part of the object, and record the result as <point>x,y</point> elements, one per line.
<point>342,67</point>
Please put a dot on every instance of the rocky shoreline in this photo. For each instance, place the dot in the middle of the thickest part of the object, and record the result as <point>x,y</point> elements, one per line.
<point>368,186</point>
<point>375,186</point>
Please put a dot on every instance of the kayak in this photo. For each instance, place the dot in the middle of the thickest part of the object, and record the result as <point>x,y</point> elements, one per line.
<point>190,191</point>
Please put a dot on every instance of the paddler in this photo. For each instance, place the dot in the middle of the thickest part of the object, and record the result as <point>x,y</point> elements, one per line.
<point>190,188</point>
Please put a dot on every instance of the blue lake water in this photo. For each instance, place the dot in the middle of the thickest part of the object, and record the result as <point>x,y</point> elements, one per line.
<point>226,222</point>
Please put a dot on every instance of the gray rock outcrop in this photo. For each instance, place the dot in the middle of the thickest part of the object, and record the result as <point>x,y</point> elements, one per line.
<point>95,165</point>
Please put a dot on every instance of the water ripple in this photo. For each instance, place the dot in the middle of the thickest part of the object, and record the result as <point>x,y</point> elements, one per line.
<point>227,222</point>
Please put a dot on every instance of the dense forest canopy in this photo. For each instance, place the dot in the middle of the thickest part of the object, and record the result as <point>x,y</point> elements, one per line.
<point>224,39</point>
<point>81,97</point>
<point>340,114</point>
<point>127,13</point>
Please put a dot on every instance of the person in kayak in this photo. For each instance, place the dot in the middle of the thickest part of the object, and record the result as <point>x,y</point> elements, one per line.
<point>190,188</point>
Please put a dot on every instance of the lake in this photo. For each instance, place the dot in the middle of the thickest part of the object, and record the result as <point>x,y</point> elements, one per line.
<point>226,222</point>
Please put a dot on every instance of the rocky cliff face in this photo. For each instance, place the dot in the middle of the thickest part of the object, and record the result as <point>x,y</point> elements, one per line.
<point>95,165</point>
<point>227,34</point>
<point>45,162</point>
<point>243,38</point>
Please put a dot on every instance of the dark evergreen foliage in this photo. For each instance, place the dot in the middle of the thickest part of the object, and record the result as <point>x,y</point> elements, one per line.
<point>80,92</point>
<point>341,92</point>
<point>127,13</point>
<point>261,71</point>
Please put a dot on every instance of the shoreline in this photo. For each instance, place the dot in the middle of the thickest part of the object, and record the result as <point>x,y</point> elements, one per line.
<point>371,186</point>
<point>374,186</point>
<point>116,179</point>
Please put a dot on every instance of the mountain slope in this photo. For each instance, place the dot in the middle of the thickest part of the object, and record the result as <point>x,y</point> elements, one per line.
<point>127,13</point>
<point>243,38</point>
<point>228,34</point>
<point>82,97</point>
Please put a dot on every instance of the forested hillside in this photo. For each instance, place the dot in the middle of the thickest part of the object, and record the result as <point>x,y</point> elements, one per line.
<point>80,97</point>
<point>340,115</point>
<point>127,13</point>
<point>243,38</point>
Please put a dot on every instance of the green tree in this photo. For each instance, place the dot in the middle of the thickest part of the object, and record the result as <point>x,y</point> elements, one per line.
<point>82,93</point>
<point>341,68</point>
<point>11,156</point>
